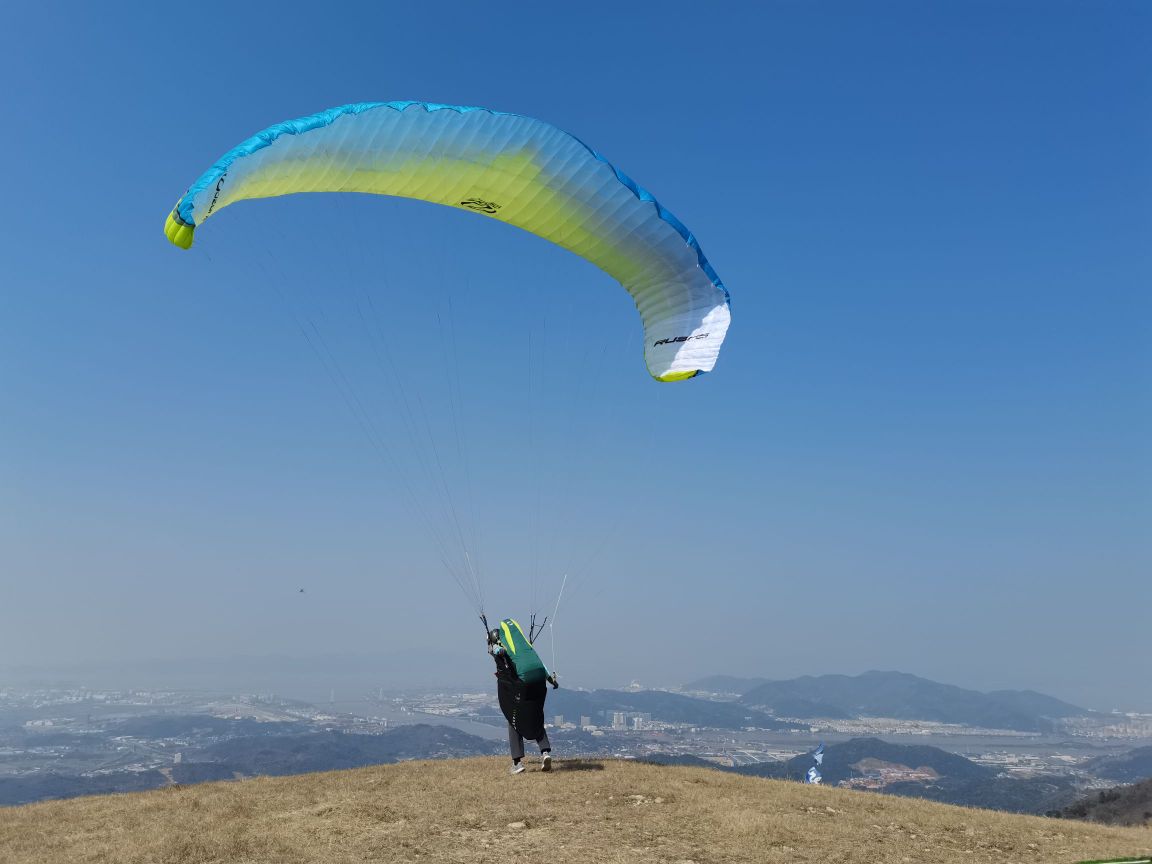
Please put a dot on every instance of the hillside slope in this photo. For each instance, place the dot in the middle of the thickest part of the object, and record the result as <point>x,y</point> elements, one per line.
<point>470,811</point>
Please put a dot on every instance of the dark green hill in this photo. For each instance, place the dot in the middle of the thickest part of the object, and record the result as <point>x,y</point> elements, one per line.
<point>839,760</point>
<point>328,751</point>
<point>683,759</point>
<point>957,781</point>
<point>1130,767</point>
<point>277,749</point>
<point>1034,795</point>
<point>37,787</point>
<point>1123,805</point>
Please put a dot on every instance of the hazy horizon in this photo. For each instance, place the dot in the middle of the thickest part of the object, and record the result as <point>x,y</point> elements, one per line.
<point>926,446</point>
<point>352,677</point>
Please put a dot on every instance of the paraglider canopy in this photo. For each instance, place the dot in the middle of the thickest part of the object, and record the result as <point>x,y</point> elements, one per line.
<point>503,166</point>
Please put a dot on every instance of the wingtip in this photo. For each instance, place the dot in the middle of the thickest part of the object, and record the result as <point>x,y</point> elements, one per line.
<point>178,231</point>
<point>678,376</point>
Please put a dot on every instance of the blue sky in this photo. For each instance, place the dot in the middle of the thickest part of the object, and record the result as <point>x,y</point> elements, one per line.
<point>925,447</point>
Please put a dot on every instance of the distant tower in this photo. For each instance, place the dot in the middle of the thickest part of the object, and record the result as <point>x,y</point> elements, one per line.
<point>332,696</point>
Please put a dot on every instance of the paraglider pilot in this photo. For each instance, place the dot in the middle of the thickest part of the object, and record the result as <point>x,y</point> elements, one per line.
<point>522,688</point>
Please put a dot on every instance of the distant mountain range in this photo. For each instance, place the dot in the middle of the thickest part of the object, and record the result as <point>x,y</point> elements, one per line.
<point>724,685</point>
<point>894,694</point>
<point>664,706</point>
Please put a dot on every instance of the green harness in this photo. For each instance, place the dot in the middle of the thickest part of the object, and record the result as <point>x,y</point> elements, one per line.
<point>529,667</point>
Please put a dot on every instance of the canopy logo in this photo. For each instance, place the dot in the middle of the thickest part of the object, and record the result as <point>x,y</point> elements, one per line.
<point>673,340</point>
<point>219,183</point>
<point>480,205</point>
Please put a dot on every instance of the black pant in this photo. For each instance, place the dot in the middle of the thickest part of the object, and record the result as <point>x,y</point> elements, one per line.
<point>516,743</point>
<point>523,706</point>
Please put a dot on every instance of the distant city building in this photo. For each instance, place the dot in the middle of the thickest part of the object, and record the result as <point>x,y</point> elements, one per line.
<point>558,720</point>
<point>585,720</point>
<point>619,720</point>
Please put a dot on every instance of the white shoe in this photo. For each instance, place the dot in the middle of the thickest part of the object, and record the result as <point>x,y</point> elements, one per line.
<point>518,768</point>
<point>546,762</point>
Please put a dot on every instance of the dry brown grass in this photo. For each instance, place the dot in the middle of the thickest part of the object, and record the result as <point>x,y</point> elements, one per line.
<point>465,811</point>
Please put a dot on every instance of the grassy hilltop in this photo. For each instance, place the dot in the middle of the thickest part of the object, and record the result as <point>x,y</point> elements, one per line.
<point>470,811</point>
